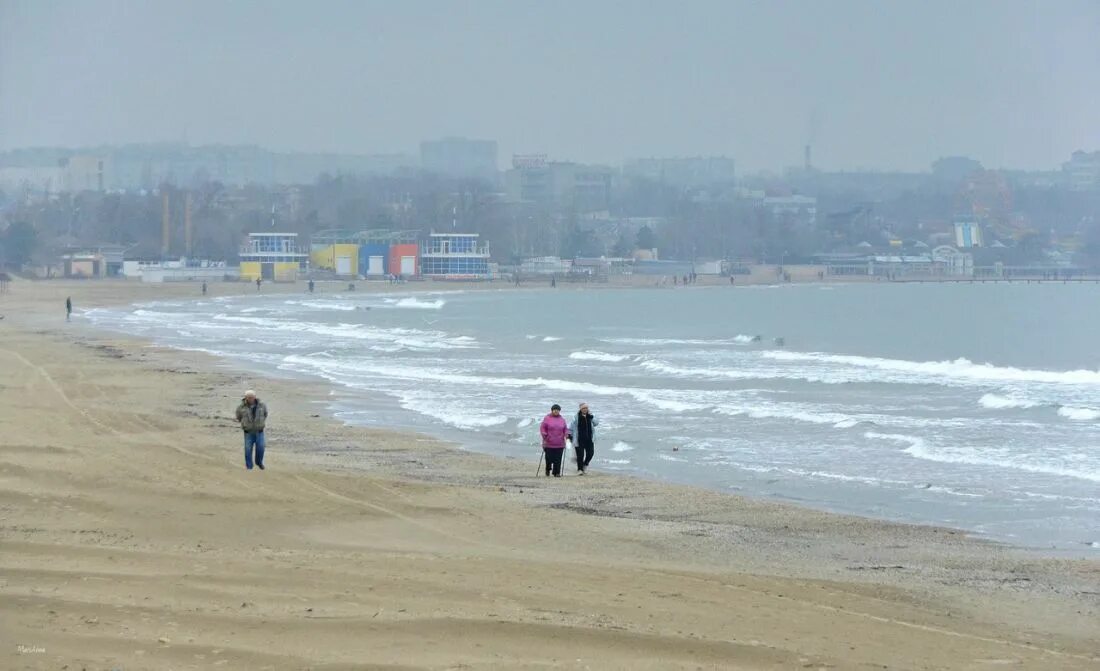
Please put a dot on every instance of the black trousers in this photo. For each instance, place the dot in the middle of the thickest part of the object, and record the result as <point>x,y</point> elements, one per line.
<point>584,455</point>
<point>553,459</point>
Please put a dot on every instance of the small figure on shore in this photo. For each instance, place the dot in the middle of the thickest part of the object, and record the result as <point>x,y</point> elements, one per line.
<point>554,431</point>
<point>583,432</point>
<point>69,308</point>
<point>731,280</point>
<point>311,286</point>
<point>258,283</point>
<point>252,415</point>
<point>204,288</point>
<point>553,282</point>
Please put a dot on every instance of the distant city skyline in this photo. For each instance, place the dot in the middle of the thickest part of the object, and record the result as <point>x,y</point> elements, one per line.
<point>871,86</point>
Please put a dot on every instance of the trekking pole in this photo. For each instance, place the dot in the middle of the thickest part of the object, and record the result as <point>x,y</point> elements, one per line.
<point>542,453</point>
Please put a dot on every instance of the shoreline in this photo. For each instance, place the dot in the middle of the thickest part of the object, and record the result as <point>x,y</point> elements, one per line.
<point>685,534</point>
<point>491,446</point>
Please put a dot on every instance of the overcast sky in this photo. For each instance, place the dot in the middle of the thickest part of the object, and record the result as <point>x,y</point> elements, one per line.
<point>883,84</point>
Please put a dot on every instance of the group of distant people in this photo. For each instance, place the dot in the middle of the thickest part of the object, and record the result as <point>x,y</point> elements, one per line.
<point>690,278</point>
<point>556,432</point>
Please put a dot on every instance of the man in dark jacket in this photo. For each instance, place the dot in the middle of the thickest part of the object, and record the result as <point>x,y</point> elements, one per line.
<point>252,414</point>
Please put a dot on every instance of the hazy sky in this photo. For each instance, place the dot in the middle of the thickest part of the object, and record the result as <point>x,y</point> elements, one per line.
<point>883,84</point>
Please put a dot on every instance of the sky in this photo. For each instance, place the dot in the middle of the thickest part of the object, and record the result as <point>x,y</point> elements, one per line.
<point>883,85</point>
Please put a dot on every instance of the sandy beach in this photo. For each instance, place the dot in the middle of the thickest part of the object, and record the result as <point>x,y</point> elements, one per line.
<point>132,537</point>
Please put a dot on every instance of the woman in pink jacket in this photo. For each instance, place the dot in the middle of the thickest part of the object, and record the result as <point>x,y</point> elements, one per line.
<point>554,431</point>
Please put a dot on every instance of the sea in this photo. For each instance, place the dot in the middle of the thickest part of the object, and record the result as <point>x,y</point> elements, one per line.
<point>969,406</point>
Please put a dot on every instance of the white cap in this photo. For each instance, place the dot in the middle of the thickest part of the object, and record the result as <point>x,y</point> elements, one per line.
<point>250,393</point>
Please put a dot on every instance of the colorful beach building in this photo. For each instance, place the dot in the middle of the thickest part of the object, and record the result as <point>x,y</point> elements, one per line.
<point>275,257</point>
<point>368,254</point>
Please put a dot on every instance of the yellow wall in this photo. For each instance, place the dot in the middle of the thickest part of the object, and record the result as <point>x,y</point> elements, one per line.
<point>250,270</point>
<point>286,272</point>
<point>326,256</point>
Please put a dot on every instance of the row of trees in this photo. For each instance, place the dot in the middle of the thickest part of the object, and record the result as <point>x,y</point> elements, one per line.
<point>697,225</point>
<point>18,244</point>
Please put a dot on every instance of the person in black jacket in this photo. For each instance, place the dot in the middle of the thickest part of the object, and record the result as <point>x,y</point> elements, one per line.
<point>583,431</point>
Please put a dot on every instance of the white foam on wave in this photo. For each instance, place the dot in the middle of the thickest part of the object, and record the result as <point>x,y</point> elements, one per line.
<point>998,402</point>
<point>616,461</point>
<point>453,412</point>
<point>919,448</point>
<point>402,338</point>
<point>656,366</point>
<point>790,411</point>
<point>551,339</point>
<point>524,423</point>
<point>593,355</point>
<point>322,305</point>
<point>620,446</point>
<point>348,369</point>
<point>650,342</point>
<point>1079,414</point>
<point>959,369</point>
<point>413,303</point>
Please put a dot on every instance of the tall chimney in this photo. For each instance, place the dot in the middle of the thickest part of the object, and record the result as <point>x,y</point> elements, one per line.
<point>187,224</point>
<point>165,232</point>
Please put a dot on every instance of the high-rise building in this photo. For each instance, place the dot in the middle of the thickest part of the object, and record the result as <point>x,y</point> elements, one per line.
<point>460,157</point>
<point>534,179</point>
<point>686,172</point>
<point>1082,171</point>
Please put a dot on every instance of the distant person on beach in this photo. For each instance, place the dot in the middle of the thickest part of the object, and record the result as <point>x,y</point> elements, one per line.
<point>311,286</point>
<point>252,414</point>
<point>554,431</point>
<point>69,309</point>
<point>258,283</point>
<point>204,288</point>
<point>583,431</point>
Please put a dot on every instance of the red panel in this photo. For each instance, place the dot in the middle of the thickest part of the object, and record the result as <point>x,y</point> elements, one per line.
<point>397,251</point>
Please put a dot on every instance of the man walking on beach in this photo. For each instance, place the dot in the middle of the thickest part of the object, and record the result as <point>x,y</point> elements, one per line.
<point>583,431</point>
<point>69,309</point>
<point>554,431</point>
<point>252,414</point>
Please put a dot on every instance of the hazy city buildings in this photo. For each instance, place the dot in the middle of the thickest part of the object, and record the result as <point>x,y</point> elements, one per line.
<point>688,172</point>
<point>1082,171</point>
<point>460,157</point>
<point>575,186</point>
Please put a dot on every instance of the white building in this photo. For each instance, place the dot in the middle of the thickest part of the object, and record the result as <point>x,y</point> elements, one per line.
<point>534,179</point>
<point>803,209</point>
<point>1082,171</point>
<point>953,261</point>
